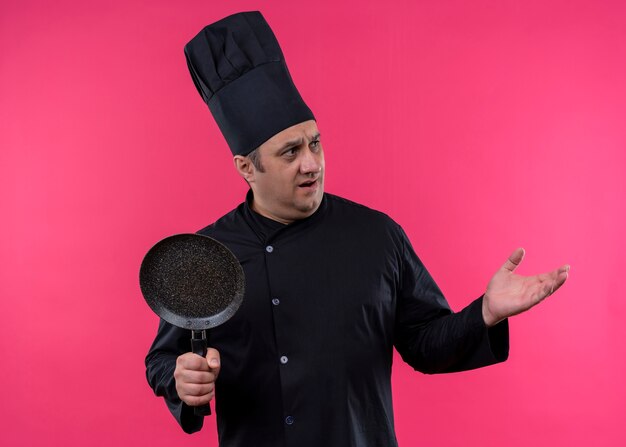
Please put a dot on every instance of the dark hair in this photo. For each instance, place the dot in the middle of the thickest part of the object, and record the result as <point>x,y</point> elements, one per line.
<point>255,159</point>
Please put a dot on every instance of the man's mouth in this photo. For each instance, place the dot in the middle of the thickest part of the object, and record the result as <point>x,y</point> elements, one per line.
<point>308,183</point>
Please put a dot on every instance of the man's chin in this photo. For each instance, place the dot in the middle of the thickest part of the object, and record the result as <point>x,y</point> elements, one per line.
<point>308,207</point>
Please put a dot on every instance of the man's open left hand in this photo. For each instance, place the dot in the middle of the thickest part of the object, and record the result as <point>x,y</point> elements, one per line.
<point>509,294</point>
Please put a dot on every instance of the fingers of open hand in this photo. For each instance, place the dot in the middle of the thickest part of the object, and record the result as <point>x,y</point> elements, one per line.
<point>514,260</point>
<point>557,280</point>
<point>551,282</point>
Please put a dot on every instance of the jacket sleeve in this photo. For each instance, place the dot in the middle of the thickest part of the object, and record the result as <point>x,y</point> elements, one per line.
<point>170,342</point>
<point>433,339</point>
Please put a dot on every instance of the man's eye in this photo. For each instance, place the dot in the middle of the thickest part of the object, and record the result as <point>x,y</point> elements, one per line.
<point>290,152</point>
<point>314,144</point>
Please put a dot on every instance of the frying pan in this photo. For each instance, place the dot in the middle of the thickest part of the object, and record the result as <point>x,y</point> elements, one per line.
<point>193,282</point>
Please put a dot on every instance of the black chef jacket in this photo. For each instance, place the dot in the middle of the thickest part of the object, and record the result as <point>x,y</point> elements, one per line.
<point>306,361</point>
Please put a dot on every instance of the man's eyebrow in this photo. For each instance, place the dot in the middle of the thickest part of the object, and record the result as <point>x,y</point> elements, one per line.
<point>297,142</point>
<point>291,143</point>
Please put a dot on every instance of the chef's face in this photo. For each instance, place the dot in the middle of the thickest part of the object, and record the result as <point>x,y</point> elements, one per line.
<point>290,184</point>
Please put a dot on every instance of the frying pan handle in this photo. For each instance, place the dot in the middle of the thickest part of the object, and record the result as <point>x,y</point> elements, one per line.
<point>199,346</point>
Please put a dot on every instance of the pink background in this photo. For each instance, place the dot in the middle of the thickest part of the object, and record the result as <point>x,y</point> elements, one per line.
<point>479,126</point>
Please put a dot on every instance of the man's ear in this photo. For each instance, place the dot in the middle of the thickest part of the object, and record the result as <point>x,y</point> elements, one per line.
<point>245,167</point>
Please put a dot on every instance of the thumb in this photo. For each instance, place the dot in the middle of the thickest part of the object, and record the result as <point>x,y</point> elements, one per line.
<point>514,260</point>
<point>213,359</point>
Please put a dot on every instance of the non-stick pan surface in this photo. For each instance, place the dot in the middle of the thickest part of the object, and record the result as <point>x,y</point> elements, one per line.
<point>192,281</point>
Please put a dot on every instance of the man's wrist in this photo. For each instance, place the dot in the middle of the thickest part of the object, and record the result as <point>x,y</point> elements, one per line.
<point>489,319</point>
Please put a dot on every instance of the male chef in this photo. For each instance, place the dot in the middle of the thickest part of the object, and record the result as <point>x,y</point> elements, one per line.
<point>332,287</point>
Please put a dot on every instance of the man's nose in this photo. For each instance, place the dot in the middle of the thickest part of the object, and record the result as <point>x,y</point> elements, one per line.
<point>311,163</point>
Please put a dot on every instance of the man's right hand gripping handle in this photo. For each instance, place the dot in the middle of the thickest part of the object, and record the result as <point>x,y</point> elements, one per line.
<point>195,377</point>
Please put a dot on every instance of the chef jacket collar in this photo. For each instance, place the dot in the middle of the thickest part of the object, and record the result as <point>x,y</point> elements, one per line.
<point>268,229</point>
